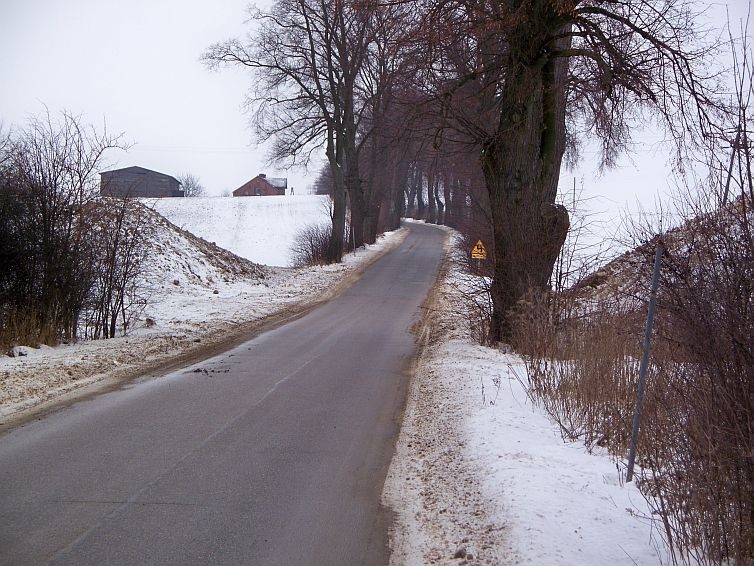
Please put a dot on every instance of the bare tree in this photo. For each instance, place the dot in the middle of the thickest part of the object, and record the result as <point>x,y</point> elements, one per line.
<point>523,79</point>
<point>192,186</point>
<point>49,216</point>
<point>307,56</point>
<point>49,182</point>
<point>122,228</point>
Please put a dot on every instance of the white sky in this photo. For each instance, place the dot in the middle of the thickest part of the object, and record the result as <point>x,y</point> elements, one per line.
<point>135,66</point>
<point>643,178</point>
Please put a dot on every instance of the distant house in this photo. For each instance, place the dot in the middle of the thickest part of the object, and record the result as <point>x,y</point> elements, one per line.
<point>262,186</point>
<point>137,182</point>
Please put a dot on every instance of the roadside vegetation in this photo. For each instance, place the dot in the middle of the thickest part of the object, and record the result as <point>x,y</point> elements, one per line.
<point>695,453</point>
<point>310,245</point>
<point>463,113</point>
<point>71,260</point>
<point>582,347</point>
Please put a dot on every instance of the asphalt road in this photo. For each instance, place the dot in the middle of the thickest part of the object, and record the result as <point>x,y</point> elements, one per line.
<point>272,453</point>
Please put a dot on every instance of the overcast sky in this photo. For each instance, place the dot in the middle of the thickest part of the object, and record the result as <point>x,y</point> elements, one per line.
<point>134,65</point>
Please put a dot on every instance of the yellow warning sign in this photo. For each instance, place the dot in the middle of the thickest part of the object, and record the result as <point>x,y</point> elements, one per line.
<point>479,251</point>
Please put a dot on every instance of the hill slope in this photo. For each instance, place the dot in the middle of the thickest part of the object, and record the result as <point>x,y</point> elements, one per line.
<point>260,229</point>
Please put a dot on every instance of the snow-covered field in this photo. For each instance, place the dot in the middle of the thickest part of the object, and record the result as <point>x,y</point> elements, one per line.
<point>259,229</point>
<point>481,476</point>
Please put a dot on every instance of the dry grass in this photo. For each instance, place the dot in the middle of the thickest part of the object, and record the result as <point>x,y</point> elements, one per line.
<point>696,447</point>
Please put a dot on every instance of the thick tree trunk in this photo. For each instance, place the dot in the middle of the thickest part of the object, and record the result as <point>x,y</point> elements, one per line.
<point>382,178</point>
<point>397,204</point>
<point>419,189</point>
<point>411,201</point>
<point>521,166</point>
<point>352,178</point>
<point>431,201</point>
<point>371,221</point>
<point>460,205</point>
<point>447,187</point>
<point>358,211</point>
<point>438,202</point>
<point>335,249</point>
<point>335,246</point>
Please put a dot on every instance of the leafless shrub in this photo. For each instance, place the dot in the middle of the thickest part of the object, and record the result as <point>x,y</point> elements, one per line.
<point>48,181</point>
<point>581,366</point>
<point>477,304</point>
<point>122,228</point>
<point>71,259</point>
<point>472,281</point>
<point>696,447</point>
<point>310,245</point>
<point>702,479</point>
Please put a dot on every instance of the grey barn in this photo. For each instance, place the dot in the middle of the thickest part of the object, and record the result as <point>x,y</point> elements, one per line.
<point>137,182</point>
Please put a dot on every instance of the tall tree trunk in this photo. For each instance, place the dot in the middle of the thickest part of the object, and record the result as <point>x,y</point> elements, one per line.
<point>335,245</point>
<point>411,189</point>
<point>447,187</point>
<point>460,205</point>
<point>438,201</point>
<point>352,178</point>
<point>393,197</point>
<point>419,189</point>
<point>379,180</point>
<point>521,165</point>
<point>358,209</point>
<point>431,187</point>
<point>400,182</point>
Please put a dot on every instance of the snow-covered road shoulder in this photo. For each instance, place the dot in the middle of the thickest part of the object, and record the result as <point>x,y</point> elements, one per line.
<point>481,476</point>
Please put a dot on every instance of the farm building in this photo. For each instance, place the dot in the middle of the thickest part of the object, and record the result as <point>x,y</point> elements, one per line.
<point>137,182</point>
<point>262,186</point>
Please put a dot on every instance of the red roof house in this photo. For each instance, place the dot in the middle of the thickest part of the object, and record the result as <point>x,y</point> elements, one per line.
<point>262,186</point>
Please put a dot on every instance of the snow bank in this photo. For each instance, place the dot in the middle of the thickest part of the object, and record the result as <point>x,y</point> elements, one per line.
<point>482,476</point>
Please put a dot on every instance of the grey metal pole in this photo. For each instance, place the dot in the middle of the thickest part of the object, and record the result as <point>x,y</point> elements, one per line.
<point>644,362</point>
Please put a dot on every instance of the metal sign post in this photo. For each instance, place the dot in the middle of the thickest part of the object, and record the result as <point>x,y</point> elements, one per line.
<point>644,362</point>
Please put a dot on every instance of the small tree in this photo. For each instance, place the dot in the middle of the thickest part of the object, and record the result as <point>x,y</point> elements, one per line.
<point>192,187</point>
<point>122,228</point>
<point>70,258</point>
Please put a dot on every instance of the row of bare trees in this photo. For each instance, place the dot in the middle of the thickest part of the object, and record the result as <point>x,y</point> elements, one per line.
<point>70,259</point>
<point>471,104</point>
<point>464,111</point>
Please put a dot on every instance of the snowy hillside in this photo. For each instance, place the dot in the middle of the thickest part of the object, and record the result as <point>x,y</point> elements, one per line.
<point>258,229</point>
